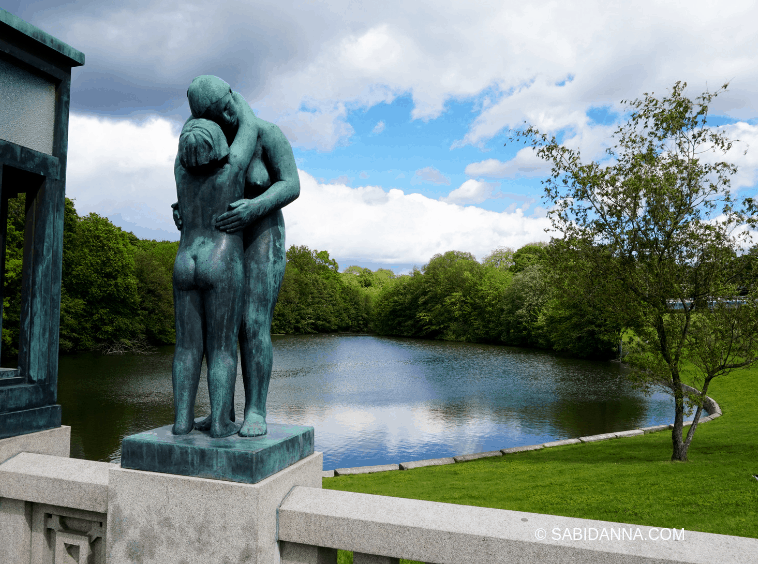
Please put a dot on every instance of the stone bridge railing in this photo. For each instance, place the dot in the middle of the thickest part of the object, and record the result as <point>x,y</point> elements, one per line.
<point>55,509</point>
<point>313,523</point>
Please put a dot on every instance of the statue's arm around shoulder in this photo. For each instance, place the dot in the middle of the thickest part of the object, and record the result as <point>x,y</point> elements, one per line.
<point>245,141</point>
<point>280,162</point>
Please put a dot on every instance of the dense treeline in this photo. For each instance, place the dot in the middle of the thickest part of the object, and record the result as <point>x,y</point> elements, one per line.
<point>316,298</point>
<point>117,295</point>
<point>512,298</point>
<point>116,291</point>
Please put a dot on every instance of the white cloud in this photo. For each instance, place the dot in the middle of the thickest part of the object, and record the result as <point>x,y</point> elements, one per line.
<point>525,164</point>
<point>321,128</point>
<point>471,192</point>
<point>513,59</point>
<point>119,166</point>
<point>431,175</point>
<point>379,127</point>
<point>744,154</point>
<point>123,166</point>
<point>394,227</point>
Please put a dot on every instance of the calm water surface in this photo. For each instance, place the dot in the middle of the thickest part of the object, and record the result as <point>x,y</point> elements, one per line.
<point>373,400</point>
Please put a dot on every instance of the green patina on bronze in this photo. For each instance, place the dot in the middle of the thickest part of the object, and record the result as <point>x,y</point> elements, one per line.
<point>14,25</point>
<point>234,173</point>
<point>231,257</point>
<point>236,459</point>
<point>28,392</point>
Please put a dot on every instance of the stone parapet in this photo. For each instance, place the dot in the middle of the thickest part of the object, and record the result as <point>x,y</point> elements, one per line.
<point>54,480</point>
<point>391,528</point>
<point>54,442</point>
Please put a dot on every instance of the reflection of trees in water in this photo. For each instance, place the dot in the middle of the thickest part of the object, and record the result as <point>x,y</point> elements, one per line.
<point>579,419</point>
<point>106,398</point>
<point>593,399</point>
<point>451,385</point>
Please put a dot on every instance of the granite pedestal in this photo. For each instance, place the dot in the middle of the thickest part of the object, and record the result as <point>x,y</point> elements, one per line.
<point>236,459</point>
<point>156,518</point>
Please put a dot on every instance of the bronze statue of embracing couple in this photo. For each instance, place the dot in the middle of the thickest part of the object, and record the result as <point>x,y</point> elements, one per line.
<point>234,172</point>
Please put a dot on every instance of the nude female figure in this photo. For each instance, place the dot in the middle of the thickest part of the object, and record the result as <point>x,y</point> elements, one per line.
<point>271,182</point>
<point>208,272</point>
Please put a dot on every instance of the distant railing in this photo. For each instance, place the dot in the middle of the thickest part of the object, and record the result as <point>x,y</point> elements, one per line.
<point>678,305</point>
<point>313,523</point>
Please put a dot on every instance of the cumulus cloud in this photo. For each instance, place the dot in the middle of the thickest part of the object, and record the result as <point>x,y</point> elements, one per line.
<point>322,128</point>
<point>542,62</point>
<point>342,179</point>
<point>123,166</point>
<point>744,154</point>
<point>525,164</point>
<point>431,175</point>
<point>394,227</point>
<point>471,192</point>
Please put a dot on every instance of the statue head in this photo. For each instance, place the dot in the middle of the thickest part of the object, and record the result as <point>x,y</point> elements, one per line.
<point>212,98</point>
<point>204,91</point>
<point>202,142</point>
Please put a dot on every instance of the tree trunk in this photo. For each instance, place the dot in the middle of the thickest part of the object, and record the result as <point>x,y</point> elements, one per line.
<point>679,449</point>
<point>698,412</point>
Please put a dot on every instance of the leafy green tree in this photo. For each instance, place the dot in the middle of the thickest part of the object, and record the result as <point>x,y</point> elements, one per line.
<point>529,254</point>
<point>14,252</point>
<point>577,318</point>
<point>397,306</point>
<point>664,217</point>
<point>448,294</point>
<point>100,285</point>
<point>315,298</point>
<point>523,301</point>
<point>153,269</point>
<point>501,258</point>
<point>487,303</point>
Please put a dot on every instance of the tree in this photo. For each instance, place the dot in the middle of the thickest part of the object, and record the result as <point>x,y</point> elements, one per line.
<point>660,222</point>
<point>523,303</point>
<point>397,306</point>
<point>526,256</point>
<point>578,318</point>
<point>447,300</point>
<point>501,258</point>
<point>100,289</point>
<point>153,268</point>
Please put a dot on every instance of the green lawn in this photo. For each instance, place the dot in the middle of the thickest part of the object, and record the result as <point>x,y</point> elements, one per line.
<point>630,480</point>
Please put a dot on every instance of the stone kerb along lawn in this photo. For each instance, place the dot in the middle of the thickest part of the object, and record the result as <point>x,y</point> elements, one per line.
<point>626,481</point>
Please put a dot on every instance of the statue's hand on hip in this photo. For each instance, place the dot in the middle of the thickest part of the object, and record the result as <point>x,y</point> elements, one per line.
<point>241,214</point>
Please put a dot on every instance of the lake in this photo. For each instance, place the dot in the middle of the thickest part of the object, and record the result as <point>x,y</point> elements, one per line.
<point>374,400</point>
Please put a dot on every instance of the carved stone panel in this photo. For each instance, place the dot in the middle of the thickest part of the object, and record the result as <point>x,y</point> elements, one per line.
<point>67,536</point>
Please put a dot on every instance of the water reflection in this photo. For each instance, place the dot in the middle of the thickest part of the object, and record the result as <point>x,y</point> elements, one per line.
<point>374,400</point>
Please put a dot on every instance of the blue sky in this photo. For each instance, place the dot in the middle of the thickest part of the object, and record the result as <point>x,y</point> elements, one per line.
<point>397,111</point>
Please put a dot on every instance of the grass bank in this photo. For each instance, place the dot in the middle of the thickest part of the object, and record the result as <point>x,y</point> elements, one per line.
<point>629,480</point>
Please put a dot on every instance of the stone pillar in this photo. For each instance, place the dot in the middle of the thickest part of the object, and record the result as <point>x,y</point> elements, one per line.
<point>154,518</point>
<point>16,529</point>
